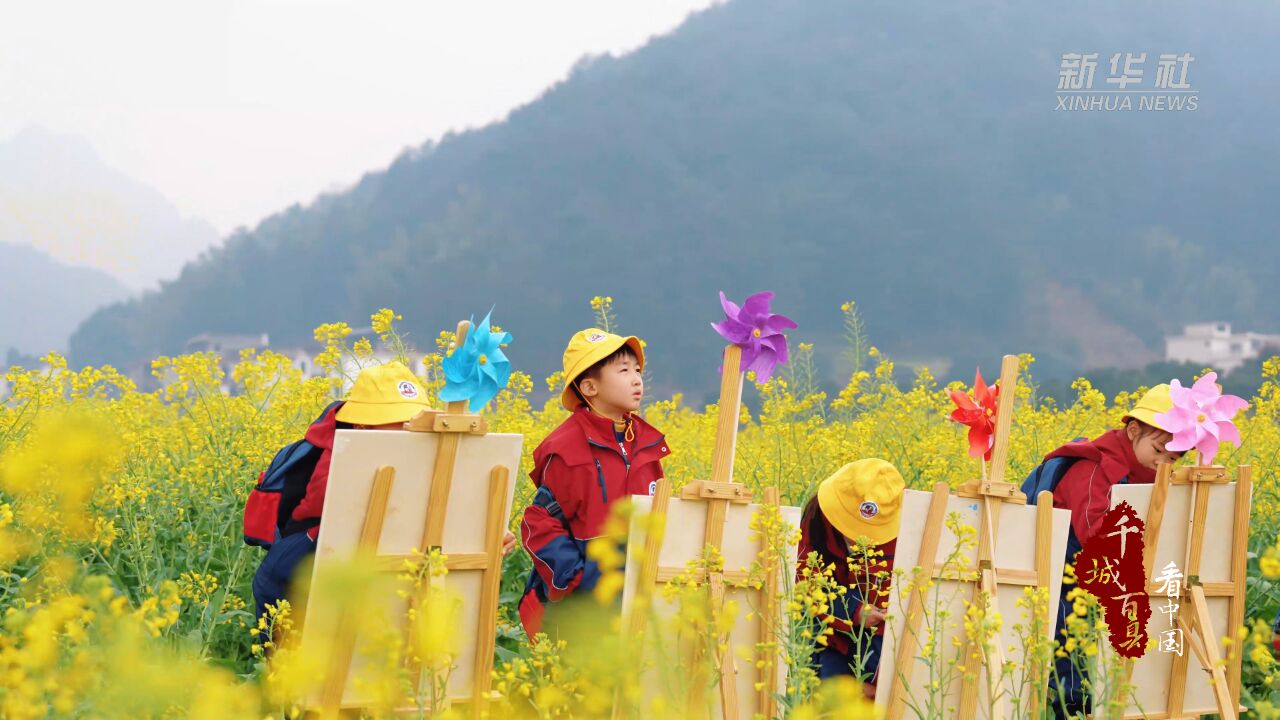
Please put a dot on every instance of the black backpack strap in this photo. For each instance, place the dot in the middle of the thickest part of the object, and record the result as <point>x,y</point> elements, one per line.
<point>296,526</point>
<point>546,500</point>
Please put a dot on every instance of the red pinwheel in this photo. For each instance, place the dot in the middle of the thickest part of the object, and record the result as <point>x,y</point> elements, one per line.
<point>978,413</point>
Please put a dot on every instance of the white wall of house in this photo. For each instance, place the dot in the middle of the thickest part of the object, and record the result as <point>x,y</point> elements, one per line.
<point>1214,345</point>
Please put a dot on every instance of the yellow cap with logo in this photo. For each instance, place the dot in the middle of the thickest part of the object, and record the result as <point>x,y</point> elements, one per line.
<point>864,499</point>
<point>1154,402</point>
<point>586,348</point>
<point>383,394</point>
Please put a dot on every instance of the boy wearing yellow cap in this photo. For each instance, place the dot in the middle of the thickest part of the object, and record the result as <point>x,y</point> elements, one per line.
<point>1128,454</point>
<point>383,397</point>
<point>851,526</point>
<point>602,452</point>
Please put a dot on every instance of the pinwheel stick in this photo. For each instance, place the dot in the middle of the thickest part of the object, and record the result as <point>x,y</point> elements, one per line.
<point>993,483</point>
<point>446,456</point>
<point>727,416</point>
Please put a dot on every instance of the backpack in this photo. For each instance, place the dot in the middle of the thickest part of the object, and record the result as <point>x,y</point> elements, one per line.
<point>1047,475</point>
<point>268,510</point>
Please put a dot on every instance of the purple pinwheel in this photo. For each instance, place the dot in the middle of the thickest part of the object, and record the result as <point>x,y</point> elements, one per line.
<point>1201,417</point>
<point>757,331</point>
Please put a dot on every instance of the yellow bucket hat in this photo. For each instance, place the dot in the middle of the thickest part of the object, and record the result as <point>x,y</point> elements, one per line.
<point>1153,403</point>
<point>864,499</point>
<point>383,394</point>
<point>586,348</point>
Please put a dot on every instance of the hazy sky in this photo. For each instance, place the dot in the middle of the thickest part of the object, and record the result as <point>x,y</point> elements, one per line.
<point>234,110</point>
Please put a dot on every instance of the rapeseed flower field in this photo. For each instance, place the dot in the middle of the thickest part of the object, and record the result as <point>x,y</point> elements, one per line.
<point>125,584</point>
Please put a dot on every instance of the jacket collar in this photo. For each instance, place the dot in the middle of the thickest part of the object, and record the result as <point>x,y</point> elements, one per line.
<point>572,440</point>
<point>320,433</point>
<point>599,429</point>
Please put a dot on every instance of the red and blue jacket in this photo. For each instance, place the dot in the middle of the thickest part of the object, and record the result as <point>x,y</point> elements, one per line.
<point>1085,488</point>
<point>580,470</point>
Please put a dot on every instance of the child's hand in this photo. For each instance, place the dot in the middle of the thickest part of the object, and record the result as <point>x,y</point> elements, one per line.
<point>508,543</point>
<point>870,616</point>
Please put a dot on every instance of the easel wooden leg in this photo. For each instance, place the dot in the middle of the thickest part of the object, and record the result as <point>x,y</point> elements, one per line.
<point>769,618</point>
<point>1205,651</point>
<point>984,594</point>
<point>335,679</point>
<point>1151,539</point>
<point>909,643</point>
<point>1226,708</point>
<point>649,564</point>
<point>1044,561</point>
<point>491,583</point>
<point>638,621</point>
<point>713,539</point>
<point>728,664</point>
<point>1239,569</point>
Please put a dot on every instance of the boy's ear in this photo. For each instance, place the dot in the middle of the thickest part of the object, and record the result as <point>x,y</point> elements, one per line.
<point>1132,430</point>
<point>588,388</point>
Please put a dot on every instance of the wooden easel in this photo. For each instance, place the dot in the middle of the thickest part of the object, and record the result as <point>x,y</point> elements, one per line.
<point>451,424</point>
<point>1198,632</point>
<point>718,493</point>
<point>992,494</point>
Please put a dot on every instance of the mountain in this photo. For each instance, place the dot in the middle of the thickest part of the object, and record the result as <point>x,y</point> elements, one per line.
<point>904,155</point>
<point>56,195</point>
<point>42,300</point>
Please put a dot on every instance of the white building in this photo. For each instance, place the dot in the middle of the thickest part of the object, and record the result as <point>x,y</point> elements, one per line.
<point>1214,345</point>
<point>226,345</point>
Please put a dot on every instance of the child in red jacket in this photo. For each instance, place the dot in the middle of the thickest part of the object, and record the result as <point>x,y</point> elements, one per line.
<point>1128,454</point>
<point>602,452</point>
<point>383,397</point>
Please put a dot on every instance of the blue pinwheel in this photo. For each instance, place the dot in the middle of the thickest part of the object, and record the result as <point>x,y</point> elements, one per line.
<point>477,370</point>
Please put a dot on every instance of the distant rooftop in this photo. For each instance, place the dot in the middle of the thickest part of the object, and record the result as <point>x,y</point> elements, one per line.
<point>1215,345</point>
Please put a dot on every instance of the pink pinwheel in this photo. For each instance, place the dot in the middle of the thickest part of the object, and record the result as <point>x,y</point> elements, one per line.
<point>1201,417</point>
<point>979,416</point>
<point>757,331</point>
